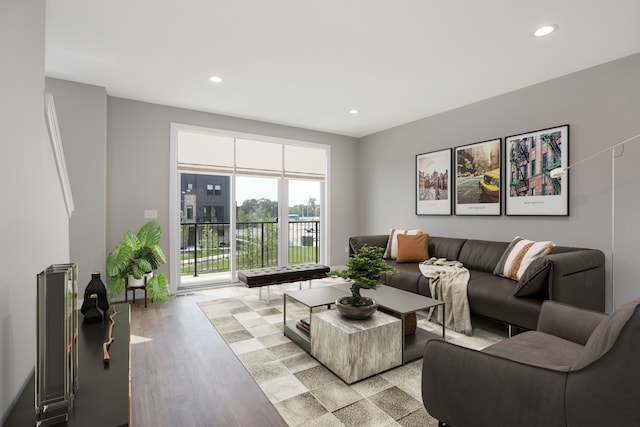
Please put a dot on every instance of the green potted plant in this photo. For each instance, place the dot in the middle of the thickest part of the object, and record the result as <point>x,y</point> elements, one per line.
<point>138,255</point>
<point>363,272</point>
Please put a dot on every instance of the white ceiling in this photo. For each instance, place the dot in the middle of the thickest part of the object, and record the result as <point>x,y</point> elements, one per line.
<point>306,63</point>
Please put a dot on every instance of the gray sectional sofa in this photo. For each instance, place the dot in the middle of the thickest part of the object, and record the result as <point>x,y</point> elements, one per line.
<point>573,276</point>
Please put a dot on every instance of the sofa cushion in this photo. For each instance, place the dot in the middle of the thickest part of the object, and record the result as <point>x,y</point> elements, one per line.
<point>412,248</point>
<point>407,278</point>
<point>481,255</point>
<point>357,242</point>
<point>492,296</point>
<point>391,252</point>
<point>534,279</point>
<point>518,255</point>
<point>445,247</point>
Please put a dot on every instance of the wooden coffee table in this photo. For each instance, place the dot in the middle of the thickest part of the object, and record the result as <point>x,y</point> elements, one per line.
<point>394,300</point>
<point>404,303</point>
<point>356,349</point>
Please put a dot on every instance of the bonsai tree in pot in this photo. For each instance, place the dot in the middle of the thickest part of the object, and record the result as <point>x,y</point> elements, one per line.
<point>363,271</point>
<point>137,255</point>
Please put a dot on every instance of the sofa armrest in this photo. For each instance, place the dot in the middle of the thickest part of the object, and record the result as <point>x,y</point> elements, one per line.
<point>577,277</point>
<point>356,242</point>
<point>464,387</point>
<point>567,322</point>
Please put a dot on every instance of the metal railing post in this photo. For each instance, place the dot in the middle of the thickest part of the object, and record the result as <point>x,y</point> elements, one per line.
<point>317,231</point>
<point>262,244</point>
<point>195,250</point>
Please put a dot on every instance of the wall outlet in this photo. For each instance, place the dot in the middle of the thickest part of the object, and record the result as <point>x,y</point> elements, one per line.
<point>151,214</point>
<point>346,249</point>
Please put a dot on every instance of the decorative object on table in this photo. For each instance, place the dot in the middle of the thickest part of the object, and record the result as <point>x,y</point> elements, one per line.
<point>96,301</point>
<point>110,338</point>
<point>138,255</point>
<point>56,369</point>
<point>477,178</point>
<point>304,325</point>
<point>92,313</point>
<point>433,183</point>
<point>363,271</point>
<point>529,159</point>
<point>559,172</point>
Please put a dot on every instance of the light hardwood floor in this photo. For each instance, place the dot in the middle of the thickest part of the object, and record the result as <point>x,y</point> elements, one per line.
<point>184,374</point>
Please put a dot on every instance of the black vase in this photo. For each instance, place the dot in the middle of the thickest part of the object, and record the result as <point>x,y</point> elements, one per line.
<point>95,286</point>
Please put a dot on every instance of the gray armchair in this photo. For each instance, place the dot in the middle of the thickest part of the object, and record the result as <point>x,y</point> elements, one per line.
<point>580,368</point>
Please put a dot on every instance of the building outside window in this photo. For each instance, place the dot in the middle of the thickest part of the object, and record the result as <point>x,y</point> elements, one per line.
<point>218,190</point>
<point>189,211</point>
<point>208,213</point>
<point>210,189</point>
<point>533,167</point>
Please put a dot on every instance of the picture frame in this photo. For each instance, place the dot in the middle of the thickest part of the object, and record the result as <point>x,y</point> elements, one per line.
<point>478,178</point>
<point>529,159</point>
<point>433,183</point>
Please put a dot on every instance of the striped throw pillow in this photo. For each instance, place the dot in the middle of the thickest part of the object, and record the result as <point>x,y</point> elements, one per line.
<point>518,255</point>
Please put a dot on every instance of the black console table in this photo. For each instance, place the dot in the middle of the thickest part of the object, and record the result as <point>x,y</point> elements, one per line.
<point>103,396</point>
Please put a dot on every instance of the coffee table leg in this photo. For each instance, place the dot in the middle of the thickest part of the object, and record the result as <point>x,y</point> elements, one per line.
<point>402,317</point>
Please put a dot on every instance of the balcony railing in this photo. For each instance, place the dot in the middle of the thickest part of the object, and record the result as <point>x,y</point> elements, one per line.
<point>205,246</point>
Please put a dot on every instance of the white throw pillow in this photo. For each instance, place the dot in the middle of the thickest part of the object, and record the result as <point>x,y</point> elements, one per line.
<point>518,255</point>
<point>392,245</point>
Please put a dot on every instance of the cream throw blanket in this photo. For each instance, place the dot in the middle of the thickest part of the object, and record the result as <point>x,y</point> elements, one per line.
<point>448,283</point>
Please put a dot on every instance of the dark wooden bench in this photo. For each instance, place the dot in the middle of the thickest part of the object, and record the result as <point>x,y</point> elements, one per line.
<point>268,276</point>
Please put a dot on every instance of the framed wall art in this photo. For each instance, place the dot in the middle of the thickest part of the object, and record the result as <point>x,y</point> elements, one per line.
<point>530,157</point>
<point>433,183</point>
<point>477,178</point>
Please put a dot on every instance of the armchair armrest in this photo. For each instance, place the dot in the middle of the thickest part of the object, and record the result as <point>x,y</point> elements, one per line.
<point>464,387</point>
<point>568,322</point>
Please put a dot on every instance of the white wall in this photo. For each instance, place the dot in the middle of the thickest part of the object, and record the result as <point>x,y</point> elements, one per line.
<point>602,108</point>
<point>34,228</point>
<point>138,137</point>
<point>82,117</point>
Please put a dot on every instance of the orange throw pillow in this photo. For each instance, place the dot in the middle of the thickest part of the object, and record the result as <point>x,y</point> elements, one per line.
<point>413,248</point>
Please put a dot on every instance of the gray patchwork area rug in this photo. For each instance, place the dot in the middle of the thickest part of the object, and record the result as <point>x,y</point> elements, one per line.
<point>304,392</point>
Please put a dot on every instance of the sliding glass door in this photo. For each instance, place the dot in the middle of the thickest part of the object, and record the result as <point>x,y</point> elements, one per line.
<point>304,212</point>
<point>243,204</point>
<point>205,233</point>
<point>256,222</point>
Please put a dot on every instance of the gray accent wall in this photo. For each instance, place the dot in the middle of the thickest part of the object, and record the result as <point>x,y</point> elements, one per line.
<point>138,138</point>
<point>34,230</point>
<point>602,107</point>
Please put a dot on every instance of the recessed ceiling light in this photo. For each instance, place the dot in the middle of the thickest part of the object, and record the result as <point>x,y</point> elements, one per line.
<point>215,79</point>
<point>545,31</point>
<point>354,111</point>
